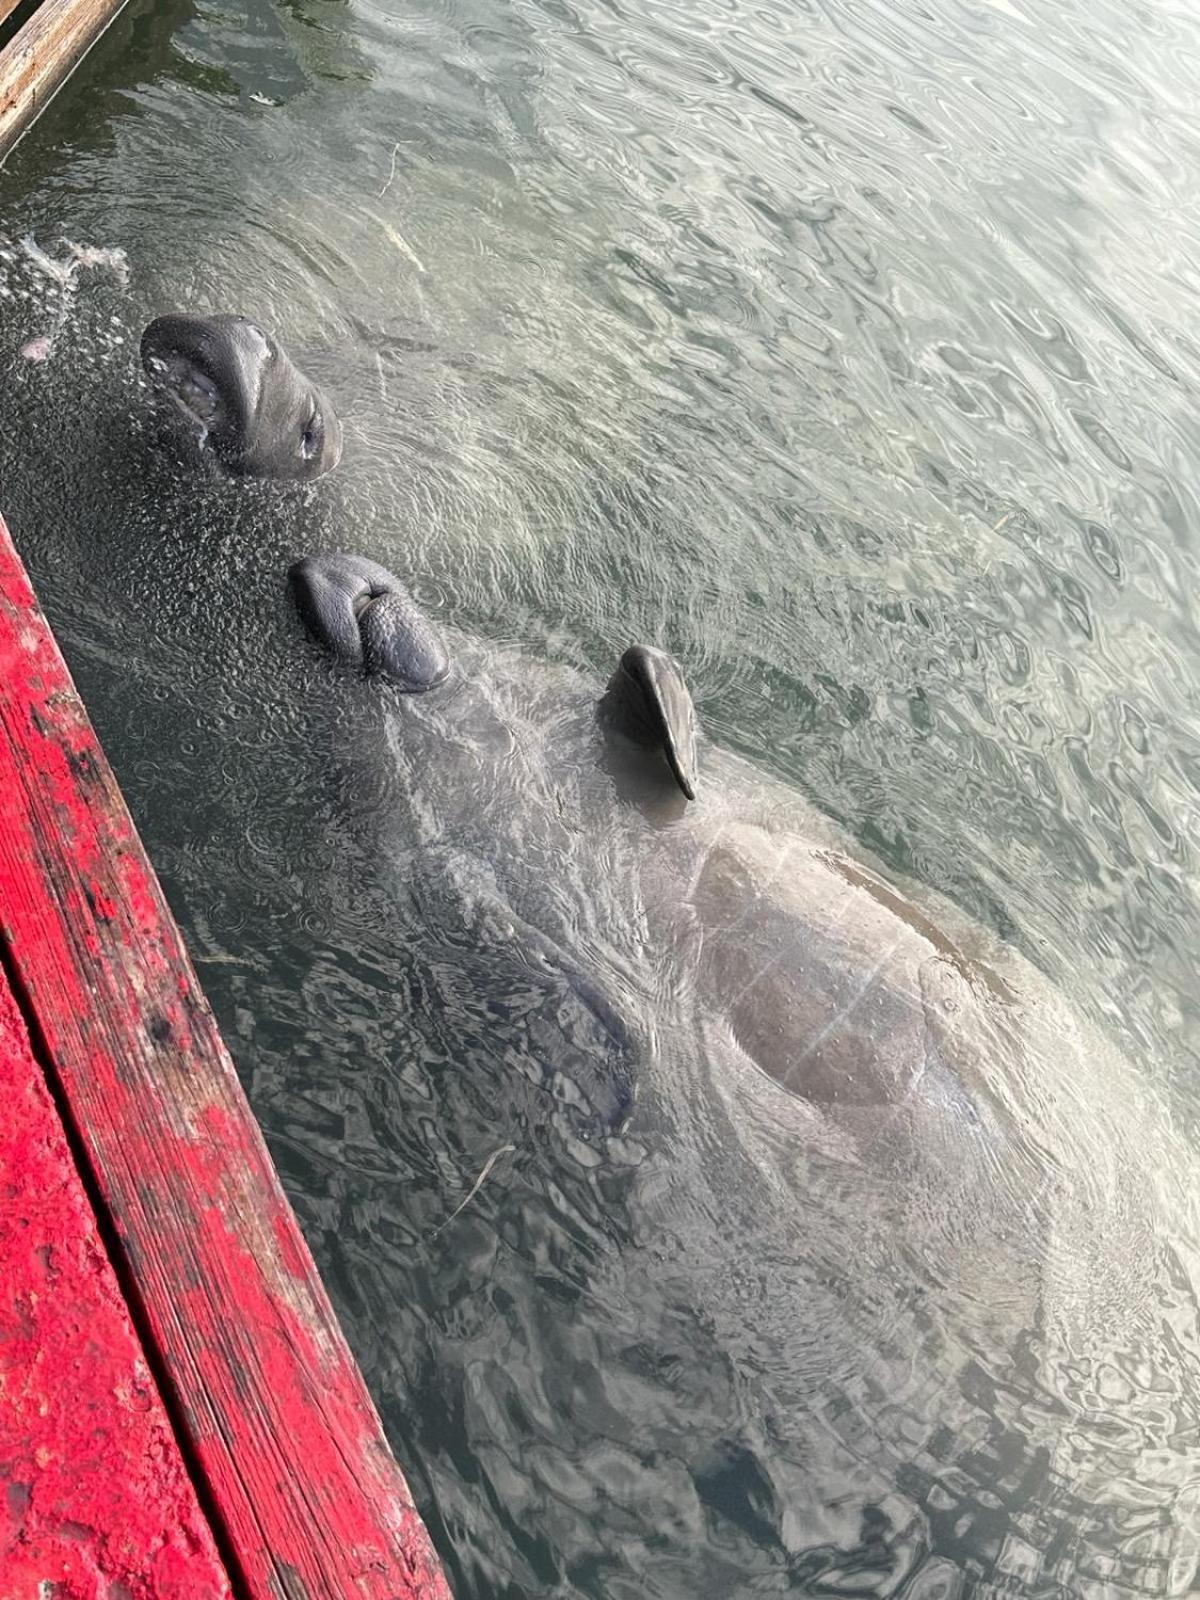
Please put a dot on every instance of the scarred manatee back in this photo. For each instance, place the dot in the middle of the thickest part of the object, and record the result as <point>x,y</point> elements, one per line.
<point>833,984</point>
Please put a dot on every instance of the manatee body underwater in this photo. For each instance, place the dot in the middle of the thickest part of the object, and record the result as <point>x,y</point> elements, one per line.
<point>917,1197</point>
<point>917,1189</point>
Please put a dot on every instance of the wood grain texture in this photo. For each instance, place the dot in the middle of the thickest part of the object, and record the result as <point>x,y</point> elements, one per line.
<point>272,1411</point>
<point>95,1499</point>
<point>40,56</point>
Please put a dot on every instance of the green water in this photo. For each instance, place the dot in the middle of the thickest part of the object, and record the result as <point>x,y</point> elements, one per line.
<point>848,350</point>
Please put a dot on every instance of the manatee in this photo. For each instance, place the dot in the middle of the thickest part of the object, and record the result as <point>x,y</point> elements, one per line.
<point>244,401</point>
<point>803,962</point>
<point>924,1199</point>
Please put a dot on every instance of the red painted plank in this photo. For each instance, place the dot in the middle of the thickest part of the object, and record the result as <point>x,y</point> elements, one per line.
<point>95,1500</point>
<point>269,1402</point>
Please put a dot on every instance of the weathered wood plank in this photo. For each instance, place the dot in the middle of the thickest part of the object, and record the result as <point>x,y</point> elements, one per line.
<point>7,7</point>
<point>266,1396</point>
<point>95,1500</point>
<point>42,53</point>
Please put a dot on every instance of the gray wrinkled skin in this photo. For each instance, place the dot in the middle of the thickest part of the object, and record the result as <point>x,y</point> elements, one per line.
<point>242,399</point>
<point>365,617</point>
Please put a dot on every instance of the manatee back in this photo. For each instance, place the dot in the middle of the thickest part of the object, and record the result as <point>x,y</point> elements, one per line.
<point>922,1198</point>
<point>832,983</point>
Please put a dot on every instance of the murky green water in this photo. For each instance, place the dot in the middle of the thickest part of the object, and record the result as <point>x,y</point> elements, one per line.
<point>849,350</point>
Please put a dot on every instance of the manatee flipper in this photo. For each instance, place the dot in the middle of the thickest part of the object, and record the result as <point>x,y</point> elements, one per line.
<point>576,1035</point>
<point>648,701</point>
<point>522,995</point>
<point>362,614</point>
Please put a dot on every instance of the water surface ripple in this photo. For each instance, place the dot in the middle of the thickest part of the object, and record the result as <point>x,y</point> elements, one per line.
<point>850,351</point>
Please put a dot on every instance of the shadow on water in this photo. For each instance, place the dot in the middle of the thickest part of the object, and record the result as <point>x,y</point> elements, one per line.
<point>826,348</point>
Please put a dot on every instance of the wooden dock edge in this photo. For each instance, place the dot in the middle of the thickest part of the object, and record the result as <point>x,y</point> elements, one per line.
<point>271,1414</point>
<point>95,1497</point>
<point>42,54</point>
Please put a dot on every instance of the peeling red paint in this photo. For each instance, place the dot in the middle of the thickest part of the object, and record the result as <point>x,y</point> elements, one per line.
<point>94,1494</point>
<point>274,1413</point>
<point>102,905</point>
<point>285,1238</point>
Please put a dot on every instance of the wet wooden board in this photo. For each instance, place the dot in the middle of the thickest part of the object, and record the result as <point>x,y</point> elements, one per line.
<point>272,1414</point>
<point>95,1499</point>
<point>42,53</point>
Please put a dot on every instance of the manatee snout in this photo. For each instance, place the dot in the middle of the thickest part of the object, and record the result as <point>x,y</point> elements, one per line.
<point>363,615</point>
<point>244,398</point>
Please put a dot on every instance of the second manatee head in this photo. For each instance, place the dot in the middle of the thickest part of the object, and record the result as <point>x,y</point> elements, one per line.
<point>249,405</point>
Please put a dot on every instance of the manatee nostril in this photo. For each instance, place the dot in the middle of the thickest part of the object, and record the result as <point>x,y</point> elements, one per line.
<point>264,347</point>
<point>313,437</point>
<point>360,612</point>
